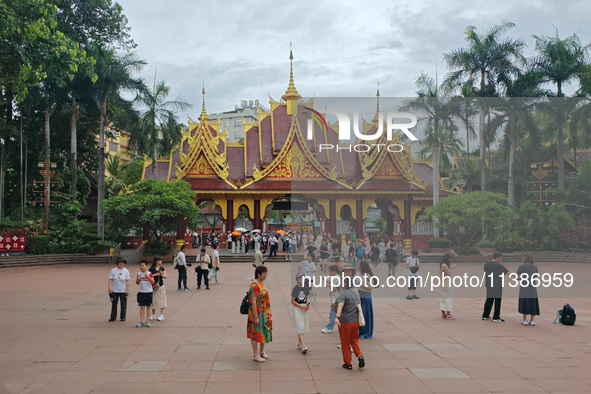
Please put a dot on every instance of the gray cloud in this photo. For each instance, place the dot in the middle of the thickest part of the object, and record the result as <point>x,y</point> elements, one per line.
<point>341,48</point>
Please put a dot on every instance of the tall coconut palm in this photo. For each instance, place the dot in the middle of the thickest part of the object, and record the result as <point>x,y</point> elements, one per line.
<point>561,61</point>
<point>115,73</point>
<point>437,109</point>
<point>161,130</point>
<point>481,62</point>
<point>514,115</point>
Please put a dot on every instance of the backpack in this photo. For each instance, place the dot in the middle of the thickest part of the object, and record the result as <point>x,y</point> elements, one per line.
<point>568,315</point>
<point>360,252</point>
<point>245,305</point>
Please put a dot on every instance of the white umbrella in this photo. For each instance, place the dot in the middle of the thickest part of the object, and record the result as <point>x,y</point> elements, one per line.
<point>255,231</point>
<point>241,229</point>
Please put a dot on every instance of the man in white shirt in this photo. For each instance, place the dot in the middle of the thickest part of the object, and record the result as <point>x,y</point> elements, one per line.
<point>119,289</point>
<point>272,245</point>
<point>181,266</point>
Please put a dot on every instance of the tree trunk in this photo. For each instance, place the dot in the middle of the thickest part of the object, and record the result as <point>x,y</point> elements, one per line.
<point>100,216</point>
<point>73,153</point>
<point>154,161</point>
<point>482,157</point>
<point>560,145</point>
<point>435,182</point>
<point>511,186</point>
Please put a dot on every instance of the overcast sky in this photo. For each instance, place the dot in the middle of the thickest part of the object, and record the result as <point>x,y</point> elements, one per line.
<point>341,48</point>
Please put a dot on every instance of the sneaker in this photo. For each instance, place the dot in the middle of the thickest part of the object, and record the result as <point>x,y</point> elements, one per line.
<point>161,317</point>
<point>304,349</point>
<point>198,288</point>
<point>187,289</point>
<point>326,330</point>
<point>499,320</point>
<point>298,346</point>
<point>153,317</point>
<point>450,317</point>
<point>532,323</point>
<point>112,319</point>
<point>485,318</point>
<point>207,288</point>
<point>339,346</point>
<point>408,297</point>
<point>179,289</point>
<point>524,322</point>
<point>148,324</point>
<point>415,297</point>
<point>140,324</point>
<point>122,319</point>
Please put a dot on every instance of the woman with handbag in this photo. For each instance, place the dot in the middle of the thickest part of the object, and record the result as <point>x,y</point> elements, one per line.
<point>347,319</point>
<point>159,296</point>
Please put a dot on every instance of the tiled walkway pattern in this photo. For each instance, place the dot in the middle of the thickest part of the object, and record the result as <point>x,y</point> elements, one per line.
<point>55,338</point>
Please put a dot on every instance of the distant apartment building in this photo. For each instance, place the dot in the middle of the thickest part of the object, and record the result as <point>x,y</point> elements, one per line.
<point>232,120</point>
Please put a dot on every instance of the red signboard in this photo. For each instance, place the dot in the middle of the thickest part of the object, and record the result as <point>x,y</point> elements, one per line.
<point>14,243</point>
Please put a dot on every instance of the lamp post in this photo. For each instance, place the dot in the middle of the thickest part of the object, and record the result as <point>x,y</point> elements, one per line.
<point>539,172</point>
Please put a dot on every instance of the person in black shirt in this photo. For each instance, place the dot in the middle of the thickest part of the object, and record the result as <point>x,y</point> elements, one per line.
<point>300,300</point>
<point>494,271</point>
<point>311,249</point>
<point>391,259</point>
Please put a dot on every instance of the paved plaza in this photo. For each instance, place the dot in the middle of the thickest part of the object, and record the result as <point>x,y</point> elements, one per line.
<point>56,339</point>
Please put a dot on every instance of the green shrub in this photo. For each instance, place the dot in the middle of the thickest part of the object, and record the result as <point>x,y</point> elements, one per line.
<point>510,242</point>
<point>466,251</point>
<point>485,244</point>
<point>88,238</point>
<point>157,248</point>
<point>439,243</point>
<point>38,244</point>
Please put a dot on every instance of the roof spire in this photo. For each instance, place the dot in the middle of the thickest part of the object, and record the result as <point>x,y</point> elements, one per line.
<point>291,93</point>
<point>203,116</point>
<point>376,117</point>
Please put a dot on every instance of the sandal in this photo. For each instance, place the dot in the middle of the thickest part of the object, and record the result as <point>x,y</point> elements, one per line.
<point>258,359</point>
<point>347,366</point>
<point>264,355</point>
<point>450,317</point>
<point>361,361</point>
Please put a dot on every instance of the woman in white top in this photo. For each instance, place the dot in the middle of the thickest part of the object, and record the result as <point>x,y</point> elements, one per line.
<point>412,263</point>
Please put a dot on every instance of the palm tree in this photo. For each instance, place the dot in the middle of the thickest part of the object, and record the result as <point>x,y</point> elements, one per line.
<point>450,146</point>
<point>465,176</point>
<point>561,61</point>
<point>116,170</point>
<point>114,73</point>
<point>514,115</point>
<point>439,109</point>
<point>481,62</point>
<point>159,120</point>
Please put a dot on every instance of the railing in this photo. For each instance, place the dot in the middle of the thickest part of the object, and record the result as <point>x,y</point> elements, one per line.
<point>114,253</point>
<point>140,250</point>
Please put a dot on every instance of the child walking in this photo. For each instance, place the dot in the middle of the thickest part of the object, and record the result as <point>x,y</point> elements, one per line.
<point>300,299</point>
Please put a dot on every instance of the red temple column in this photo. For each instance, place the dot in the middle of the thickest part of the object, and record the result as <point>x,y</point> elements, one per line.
<point>407,220</point>
<point>359,226</point>
<point>332,220</point>
<point>257,214</point>
<point>230,213</point>
<point>181,228</point>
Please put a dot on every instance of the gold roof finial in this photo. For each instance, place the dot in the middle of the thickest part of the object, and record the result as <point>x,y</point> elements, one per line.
<point>376,118</point>
<point>203,115</point>
<point>291,91</point>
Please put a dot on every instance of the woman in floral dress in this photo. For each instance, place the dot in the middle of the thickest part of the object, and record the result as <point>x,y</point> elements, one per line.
<point>260,326</point>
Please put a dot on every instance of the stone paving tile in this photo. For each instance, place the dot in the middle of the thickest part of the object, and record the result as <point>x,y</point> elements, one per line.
<point>438,373</point>
<point>343,386</point>
<point>510,386</point>
<point>288,386</point>
<point>569,385</point>
<point>232,387</point>
<point>142,366</point>
<point>453,386</point>
<point>399,386</point>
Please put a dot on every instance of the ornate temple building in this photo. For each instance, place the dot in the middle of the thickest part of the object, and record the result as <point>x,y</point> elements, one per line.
<point>276,162</point>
